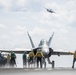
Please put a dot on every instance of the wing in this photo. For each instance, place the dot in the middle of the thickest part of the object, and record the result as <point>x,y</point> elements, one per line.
<point>60,53</point>
<point>16,51</point>
<point>21,51</point>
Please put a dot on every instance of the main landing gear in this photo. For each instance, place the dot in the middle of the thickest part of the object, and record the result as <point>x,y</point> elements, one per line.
<point>53,64</point>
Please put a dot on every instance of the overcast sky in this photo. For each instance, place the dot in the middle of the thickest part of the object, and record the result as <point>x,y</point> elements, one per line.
<point>19,16</point>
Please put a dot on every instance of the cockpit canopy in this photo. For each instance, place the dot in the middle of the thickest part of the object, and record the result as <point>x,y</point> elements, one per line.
<point>43,42</point>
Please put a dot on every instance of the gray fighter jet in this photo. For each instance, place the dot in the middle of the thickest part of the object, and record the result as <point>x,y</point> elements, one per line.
<point>50,10</point>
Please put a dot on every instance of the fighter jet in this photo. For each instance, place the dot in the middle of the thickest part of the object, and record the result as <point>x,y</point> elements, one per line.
<point>44,45</point>
<point>50,10</point>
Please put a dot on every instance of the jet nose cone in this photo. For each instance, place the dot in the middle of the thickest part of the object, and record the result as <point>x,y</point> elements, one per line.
<point>45,52</point>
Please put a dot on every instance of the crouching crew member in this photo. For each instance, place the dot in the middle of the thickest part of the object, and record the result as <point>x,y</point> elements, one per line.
<point>31,57</point>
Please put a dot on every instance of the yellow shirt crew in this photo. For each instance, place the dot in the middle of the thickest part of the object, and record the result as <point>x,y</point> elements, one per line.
<point>73,54</point>
<point>39,54</point>
<point>31,54</point>
<point>8,57</point>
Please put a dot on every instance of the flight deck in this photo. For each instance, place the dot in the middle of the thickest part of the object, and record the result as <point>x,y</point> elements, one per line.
<point>38,71</point>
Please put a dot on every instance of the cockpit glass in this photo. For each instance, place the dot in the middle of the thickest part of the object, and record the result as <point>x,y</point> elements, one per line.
<point>42,42</point>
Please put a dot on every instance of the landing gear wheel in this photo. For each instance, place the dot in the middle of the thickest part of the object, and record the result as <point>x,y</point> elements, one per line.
<point>45,65</point>
<point>73,67</point>
<point>53,64</point>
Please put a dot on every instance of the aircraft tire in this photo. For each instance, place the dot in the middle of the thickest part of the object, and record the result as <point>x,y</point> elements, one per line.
<point>53,64</point>
<point>45,65</point>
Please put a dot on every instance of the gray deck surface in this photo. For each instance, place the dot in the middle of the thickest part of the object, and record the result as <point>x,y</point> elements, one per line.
<point>35,71</point>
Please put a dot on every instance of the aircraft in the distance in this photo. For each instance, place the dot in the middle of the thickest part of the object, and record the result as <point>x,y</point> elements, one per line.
<point>45,48</point>
<point>50,10</point>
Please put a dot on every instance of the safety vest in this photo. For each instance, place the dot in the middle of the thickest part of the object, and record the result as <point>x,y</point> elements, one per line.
<point>8,57</point>
<point>24,56</point>
<point>74,55</point>
<point>31,54</point>
<point>13,55</point>
<point>39,54</point>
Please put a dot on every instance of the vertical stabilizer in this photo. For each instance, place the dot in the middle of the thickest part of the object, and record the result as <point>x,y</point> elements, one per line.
<point>50,39</point>
<point>31,40</point>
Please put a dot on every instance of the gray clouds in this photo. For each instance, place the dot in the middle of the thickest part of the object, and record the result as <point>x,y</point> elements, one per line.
<point>18,16</point>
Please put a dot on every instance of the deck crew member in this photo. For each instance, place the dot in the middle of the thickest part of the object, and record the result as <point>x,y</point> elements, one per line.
<point>39,56</point>
<point>8,59</point>
<point>13,57</point>
<point>74,58</point>
<point>31,57</point>
<point>24,59</point>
